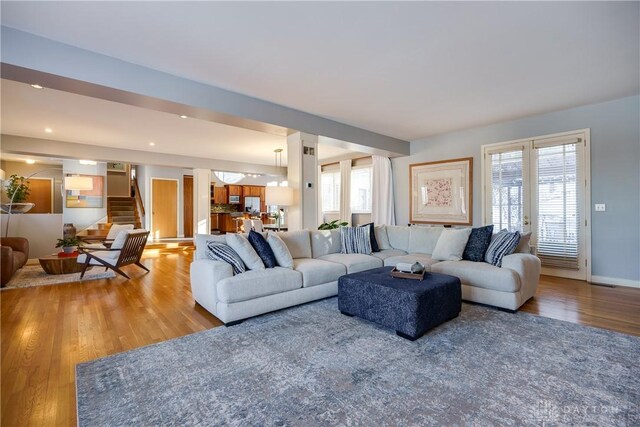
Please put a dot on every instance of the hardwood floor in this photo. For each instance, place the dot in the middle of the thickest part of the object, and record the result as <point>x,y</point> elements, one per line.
<point>46,331</point>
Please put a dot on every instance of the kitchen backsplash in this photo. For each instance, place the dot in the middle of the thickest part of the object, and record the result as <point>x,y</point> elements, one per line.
<point>223,208</point>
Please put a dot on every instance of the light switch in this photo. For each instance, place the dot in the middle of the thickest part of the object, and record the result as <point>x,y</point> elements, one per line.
<point>600,207</point>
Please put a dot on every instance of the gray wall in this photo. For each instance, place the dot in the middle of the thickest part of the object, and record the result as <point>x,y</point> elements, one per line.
<point>615,173</point>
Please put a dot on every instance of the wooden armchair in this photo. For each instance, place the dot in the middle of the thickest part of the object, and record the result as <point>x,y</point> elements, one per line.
<point>129,252</point>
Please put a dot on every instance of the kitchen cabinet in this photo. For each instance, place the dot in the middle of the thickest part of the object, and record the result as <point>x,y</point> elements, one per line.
<point>220,195</point>
<point>263,200</point>
<point>223,222</point>
<point>234,190</point>
<point>215,222</point>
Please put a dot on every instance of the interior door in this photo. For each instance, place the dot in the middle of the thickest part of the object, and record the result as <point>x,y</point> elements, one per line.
<point>187,200</point>
<point>41,193</point>
<point>164,208</point>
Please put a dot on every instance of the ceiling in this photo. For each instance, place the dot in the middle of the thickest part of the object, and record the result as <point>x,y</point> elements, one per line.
<point>403,69</point>
<point>74,118</point>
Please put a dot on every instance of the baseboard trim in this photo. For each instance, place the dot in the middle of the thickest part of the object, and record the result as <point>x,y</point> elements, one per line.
<point>615,281</point>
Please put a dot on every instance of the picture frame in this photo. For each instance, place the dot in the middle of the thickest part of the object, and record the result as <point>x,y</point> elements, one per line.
<point>87,198</point>
<point>441,192</point>
<point>116,167</point>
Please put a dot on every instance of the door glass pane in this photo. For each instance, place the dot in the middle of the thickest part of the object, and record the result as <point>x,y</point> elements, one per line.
<point>558,210</point>
<point>507,196</point>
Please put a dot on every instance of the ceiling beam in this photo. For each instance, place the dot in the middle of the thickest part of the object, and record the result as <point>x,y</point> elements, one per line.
<point>13,144</point>
<point>88,73</point>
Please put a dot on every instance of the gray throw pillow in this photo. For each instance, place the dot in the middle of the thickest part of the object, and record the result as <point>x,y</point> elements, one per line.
<point>241,245</point>
<point>280,250</point>
<point>502,244</point>
<point>355,240</point>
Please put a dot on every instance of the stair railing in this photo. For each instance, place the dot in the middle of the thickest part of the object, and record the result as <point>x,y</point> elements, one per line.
<point>138,197</point>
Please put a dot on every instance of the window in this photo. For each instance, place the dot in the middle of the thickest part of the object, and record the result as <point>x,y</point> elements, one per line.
<point>507,195</point>
<point>330,191</point>
<point>361,189</point>
<point>229,177</point>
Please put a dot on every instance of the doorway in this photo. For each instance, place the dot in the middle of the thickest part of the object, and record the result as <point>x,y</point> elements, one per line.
<point>187,200</point>
<point>542,185</point>
<point>164,208</point>
<point>41,193</point>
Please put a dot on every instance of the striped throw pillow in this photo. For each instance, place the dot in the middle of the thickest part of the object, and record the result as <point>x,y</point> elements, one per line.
<point>218,251</point>
<point>355,240</point>
<point>502,244</point>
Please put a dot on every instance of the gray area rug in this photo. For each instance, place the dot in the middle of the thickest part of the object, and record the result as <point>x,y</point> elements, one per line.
<point>310,365</point>
<point>34,275</point>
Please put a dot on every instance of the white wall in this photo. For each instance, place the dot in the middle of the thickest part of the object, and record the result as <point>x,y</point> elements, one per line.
<point>42,231</point>
<point>615,173</point>
<point>84,217</point>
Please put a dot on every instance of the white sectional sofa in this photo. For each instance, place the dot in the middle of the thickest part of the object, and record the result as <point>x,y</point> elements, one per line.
<point>318,263</point>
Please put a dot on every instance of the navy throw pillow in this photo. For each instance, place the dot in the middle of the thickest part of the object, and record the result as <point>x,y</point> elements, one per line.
<point>263,249</point>
<point>372,235</point>
<point>478,243</point>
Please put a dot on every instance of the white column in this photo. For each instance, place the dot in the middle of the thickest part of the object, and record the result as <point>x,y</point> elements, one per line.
<point>302,175</point>
<point>201,201</point>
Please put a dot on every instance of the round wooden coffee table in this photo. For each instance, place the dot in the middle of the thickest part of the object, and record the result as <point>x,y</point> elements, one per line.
<point>52,264</point>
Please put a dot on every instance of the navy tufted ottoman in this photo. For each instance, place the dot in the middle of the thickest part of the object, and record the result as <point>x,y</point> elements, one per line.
<point>411,307</point>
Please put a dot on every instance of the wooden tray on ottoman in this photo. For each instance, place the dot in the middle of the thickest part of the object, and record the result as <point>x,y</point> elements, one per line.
<point>402,275</point>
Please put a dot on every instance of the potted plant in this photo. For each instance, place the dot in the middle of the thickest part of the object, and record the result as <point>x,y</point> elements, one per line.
<point>68,244</point>
<point>336,223</point>
<point>17,191</point>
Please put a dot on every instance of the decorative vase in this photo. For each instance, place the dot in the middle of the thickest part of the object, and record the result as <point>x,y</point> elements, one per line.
<point>16,208</point>
<point>68,231</point>
<point>68,249</point>
<point>417,268</point>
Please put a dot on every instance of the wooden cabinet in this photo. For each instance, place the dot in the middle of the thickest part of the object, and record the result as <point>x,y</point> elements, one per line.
<point>234,190</point>
<point>220,195</point>
<point>215,222</point>
<point>263,200</point>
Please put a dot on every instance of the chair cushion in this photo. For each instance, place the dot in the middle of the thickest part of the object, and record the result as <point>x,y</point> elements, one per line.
<point>480,274</point>
<point>386,253</point>
<point>110,257</point>
<point>478,243</point>
<point>354,262</point>
<point>298,243</point>
<point>451,244</point>
<point>263,249</point>
<point>117,228</point>
<point>258,283</point>
<point>317,272</point>
<point>120,239</point>
<point>222,252</point>
<point>423,239</point>
<point>241,245</point>
<point>423,259</point>
<point>325,242</point>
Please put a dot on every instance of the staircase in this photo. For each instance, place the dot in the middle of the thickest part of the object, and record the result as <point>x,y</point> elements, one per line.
<point>123,210</point>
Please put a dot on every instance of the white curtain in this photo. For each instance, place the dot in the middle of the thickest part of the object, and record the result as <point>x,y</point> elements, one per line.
<point>382,206</point>
<point>345,190</point>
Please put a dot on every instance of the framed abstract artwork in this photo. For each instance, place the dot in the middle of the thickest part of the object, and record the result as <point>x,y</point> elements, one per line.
<point>441,192</point>
<point>87,198</point>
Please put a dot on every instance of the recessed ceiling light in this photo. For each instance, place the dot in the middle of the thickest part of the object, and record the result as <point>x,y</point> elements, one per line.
<point>183,117</point>
<point>88,162</point>
<point>30,161</point>
<point>48,130</point>
<point>152,143</point>
<point>37,86</point>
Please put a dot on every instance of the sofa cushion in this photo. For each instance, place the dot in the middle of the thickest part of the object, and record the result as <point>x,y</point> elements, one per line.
<point>280,250</point>
<point>258,283</point>
<point>355,240</point>
<point>422,239</point>
<point>381,237</point>
<point>478,243</point>
<point>263,249</point>
<point>398,236</point>
<point>325,242</point>
<point>423,259</point>
<point>298,243</point>
<point>201,243</point>
<point>222,252</point>
<point>372,235</point>
<point>481,275</point>
<point>318,272</point>
<point>241,245</point>
<point>451,244</point>
<point>503,243</point>
<point>354,262</point>
<point>386,253</point>
<point>524,245</point>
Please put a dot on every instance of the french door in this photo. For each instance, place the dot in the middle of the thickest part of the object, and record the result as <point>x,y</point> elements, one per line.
<point>541,185</point>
